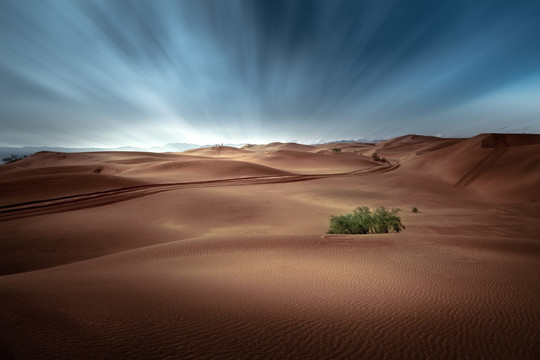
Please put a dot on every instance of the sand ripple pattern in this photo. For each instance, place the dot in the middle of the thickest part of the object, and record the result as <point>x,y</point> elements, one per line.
<point>290,297</point>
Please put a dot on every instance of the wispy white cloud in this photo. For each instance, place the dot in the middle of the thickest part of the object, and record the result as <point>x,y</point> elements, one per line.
<point>113,73</point>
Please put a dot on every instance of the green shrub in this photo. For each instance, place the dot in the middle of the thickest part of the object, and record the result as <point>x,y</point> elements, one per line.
<point>375,156</point>
<point>365,221</point>
<point>415,210</point>
<point>336,149</point>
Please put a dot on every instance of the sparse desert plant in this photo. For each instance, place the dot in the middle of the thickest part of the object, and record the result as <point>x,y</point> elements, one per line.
<point>336,149</point>
<point>415,210</point>
<point>376,157</point>
<point>385,221</point>
<point>13,158</point>
<point>365,221</point>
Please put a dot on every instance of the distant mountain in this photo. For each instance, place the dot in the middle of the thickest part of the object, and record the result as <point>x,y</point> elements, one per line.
<point>372,141</point>
<point>232,145</point>
<point>350,141</point>
<point>170,147</point>
<point>29,150</point>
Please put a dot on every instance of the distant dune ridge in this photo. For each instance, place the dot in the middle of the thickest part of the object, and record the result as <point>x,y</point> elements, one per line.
<point>222,252</point>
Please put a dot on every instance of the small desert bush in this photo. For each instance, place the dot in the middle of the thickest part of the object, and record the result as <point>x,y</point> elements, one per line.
<point>376,157</point>
<point>365,221</point>
<point>336,149</point>
<point>415,210</point>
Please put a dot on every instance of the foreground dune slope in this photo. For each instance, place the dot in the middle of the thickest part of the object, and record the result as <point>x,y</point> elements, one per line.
<point>279,296</point>
<point>221,253</point>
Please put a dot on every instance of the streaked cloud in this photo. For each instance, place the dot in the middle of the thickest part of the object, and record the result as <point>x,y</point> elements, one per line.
<point>113,73</point>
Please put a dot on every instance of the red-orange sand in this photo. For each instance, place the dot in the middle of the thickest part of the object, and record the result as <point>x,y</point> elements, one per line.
<point>222,253</point>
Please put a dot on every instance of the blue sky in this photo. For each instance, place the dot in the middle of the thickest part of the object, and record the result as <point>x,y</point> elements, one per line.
<point>144,73</point>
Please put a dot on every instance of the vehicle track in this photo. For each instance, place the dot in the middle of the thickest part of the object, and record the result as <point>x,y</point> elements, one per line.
<point>100,198</point>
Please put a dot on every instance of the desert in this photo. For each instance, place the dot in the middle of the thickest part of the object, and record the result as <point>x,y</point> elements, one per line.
<point>223,252</point>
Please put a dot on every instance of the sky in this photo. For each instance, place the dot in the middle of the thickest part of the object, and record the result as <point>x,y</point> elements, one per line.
<point>82,73</point>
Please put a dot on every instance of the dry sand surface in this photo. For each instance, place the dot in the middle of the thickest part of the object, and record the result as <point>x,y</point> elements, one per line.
<point>223,252</point>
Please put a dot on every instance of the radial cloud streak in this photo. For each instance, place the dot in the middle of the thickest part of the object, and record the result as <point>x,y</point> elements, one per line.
<point>145,73</point>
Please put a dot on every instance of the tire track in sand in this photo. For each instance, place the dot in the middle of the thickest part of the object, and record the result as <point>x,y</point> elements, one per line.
<point>100,198</point>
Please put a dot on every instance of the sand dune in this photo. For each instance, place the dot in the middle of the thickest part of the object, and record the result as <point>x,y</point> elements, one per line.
<point>320,162</point>
<point>411,144</point>
<point>216,151</point>
<point>282,146</point>
<point>223,253</point>
<point>498,165</point>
